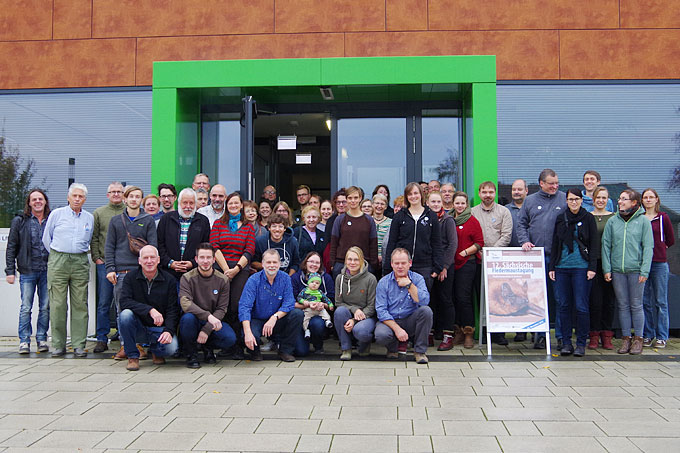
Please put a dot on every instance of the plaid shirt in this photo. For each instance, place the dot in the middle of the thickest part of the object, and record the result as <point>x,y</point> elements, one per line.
<point>184,225</point>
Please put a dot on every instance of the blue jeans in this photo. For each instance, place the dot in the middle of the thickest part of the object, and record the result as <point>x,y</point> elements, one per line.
<point>317,327</point>
<point>555,296</point>
<point>29,283</point>
<point>573,288</point>
<point>655,302</point>
<point>190,326</point>
<point>132,331</point>
<point>286,329</point>
<point>104,298</point>
<point>362,330</point>
<point>628,290</point>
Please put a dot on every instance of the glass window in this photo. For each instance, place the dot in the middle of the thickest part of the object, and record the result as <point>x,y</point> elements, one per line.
<point>372,151</point>
<point>92,137</point>
<point>441,150</point>
<point>221,152</point>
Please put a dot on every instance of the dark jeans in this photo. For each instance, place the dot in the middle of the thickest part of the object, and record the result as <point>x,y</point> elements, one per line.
<point>426,273</point>
<point>133,331</point>
<point>441,302</point>
<point>104,299</point>
<point>190,326</point>
<point>362,330</point>
<point>462,290</point>
<point>573,287</point>
<point>317,328</point>
<point>601,302</point>
<point>286,329</point>
<point>235,289</point>
<point>29,283</point>
<point>417,325</point>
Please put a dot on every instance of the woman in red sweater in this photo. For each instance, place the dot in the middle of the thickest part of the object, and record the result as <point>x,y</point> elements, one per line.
<point>470,242</point>
<point>234,241</point>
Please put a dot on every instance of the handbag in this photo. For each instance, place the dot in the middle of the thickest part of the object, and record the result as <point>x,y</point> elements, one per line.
<point>135,243</point>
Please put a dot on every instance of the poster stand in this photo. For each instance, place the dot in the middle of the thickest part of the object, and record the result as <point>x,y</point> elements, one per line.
<point>513,293</point>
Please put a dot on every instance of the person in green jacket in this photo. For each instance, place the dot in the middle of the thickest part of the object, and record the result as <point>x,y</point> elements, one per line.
<point>627,248</point>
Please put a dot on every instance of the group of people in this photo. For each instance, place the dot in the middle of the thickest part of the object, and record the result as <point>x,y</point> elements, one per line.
<point>222,273</point>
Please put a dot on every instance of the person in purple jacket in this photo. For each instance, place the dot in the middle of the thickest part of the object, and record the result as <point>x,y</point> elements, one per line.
<point>655,299</point>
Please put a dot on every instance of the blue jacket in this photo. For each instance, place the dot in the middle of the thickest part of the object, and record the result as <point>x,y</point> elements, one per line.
<point>538,216</point>
<point>260,300</point>
<point>394,302</point>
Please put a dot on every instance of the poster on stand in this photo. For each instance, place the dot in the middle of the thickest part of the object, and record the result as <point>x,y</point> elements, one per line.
<point>515,290</point>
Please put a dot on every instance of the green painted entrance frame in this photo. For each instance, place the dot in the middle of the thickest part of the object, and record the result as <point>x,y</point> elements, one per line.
<point>177,86</point>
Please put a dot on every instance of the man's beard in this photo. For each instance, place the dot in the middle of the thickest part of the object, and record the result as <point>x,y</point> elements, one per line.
<point>271,272</point>
<point>184,216</point>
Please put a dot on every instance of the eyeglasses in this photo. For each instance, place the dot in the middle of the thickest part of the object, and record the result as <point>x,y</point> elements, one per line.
<point>573,200</point>
<point>269,192</point>
<point>167,196</point>
<point>115,192</point>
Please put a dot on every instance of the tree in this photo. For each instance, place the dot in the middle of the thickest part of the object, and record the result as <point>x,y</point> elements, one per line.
<point>16,175</point>
<point>447,170</point>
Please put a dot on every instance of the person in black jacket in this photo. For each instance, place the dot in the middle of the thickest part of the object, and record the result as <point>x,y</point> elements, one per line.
<point>26,252</point>
<point>573,264</point>
<point>149,309</point>
<point>416,229</point>
<point>178,253</point>
<point>305,231</point>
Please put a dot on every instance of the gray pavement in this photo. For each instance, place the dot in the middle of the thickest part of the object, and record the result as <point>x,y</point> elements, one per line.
<point>517,401</point>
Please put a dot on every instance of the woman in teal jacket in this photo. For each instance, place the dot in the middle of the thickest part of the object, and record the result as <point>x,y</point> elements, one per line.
<point>627,248</point>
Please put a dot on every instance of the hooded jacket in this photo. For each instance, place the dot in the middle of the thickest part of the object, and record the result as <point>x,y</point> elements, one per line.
<point>118,256</point>
<point>356,291</point>
<point>627,247</point>
<point>287,248</point>
<point>299,281</point>
<point>664,236</point>
<point>536,219</point>
<point>423,240</point>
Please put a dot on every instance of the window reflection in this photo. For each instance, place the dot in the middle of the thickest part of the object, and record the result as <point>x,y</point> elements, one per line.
<point>441,150</point>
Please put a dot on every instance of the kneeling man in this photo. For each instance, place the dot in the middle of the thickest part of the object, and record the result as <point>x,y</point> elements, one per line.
<point>149,309</point>
<point>204,296</point>
<point>267,307</point>
<point>401,304</point>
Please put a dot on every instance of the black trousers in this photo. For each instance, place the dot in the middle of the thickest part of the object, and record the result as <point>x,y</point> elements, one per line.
<point>441,301</point>
<point>462,293</point>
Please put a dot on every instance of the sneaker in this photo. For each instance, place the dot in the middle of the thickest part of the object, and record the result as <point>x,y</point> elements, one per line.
<point>80,352</point>
<point>329,324</point>
<point>101,346</point>
<point>579,351</point>
<point>43,346</point>
<point>403,347</point>
<point>660,344</point>
<point>308,334</point>
<point>24,348</point>
<point>567,349</point>
<point>420,358</point>
<point>270,346</point>
<point>346,354</point>
<point>647,342</point>
<point>59,352</point>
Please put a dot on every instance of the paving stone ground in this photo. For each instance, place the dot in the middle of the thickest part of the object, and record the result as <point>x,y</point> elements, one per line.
<point>462,401</point>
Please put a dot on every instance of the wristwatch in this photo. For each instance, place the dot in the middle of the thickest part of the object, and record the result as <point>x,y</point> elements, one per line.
<point>408,286</point>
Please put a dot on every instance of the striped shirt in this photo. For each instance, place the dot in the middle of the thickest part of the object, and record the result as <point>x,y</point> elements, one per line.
<point>184,225</point>
<point>233,244</point>
<point>382,228</point>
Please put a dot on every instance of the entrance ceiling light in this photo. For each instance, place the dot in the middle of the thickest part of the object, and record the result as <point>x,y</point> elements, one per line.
<point>326,93</point>
<point>328,124</point>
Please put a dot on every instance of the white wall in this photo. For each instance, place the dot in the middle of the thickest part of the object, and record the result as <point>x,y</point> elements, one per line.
<point>10,298</point>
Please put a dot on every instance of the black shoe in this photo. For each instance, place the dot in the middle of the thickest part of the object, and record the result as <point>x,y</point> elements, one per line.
<point>255,355</point>
<point>567,349</point>
<point>101,346</point>
<point>559,344</point>
<point>209,356</point>
<point>233,353</point>
<point>499,339</point>
<point>286,357</point>
<point>580,351</point>
<point>520,336</point>
<point>192,361</point>
<point>540,343</point>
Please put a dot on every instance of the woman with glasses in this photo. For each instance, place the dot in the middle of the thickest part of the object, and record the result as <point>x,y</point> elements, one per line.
<point>655,301</point>
<point>601,292</point>
<point>573,264</point>
<point>383,190</point>
<point>627,250</point>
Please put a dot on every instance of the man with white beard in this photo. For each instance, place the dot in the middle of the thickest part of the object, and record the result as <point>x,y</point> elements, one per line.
<point>180,232</point>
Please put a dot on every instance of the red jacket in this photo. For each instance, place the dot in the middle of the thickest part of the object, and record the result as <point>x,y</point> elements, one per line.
<point>468,233</point>
<point>664,236</point>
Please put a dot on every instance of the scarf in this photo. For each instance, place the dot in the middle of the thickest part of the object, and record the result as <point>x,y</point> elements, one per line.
<point>440,214</point>
<point>463,216</point>
<point>565,230</point>
<point>233,222</point>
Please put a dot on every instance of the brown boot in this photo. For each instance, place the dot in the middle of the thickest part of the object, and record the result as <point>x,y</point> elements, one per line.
<point>133,365</point>
<point>636,347</point>
<point>120,355</point>
<point>458,336</point>
<point>447,342</point>
<point>607,336</point>
<point>594,338</point>
<point>625,346</point>
<point>469,332</point>
<point>142,353</point>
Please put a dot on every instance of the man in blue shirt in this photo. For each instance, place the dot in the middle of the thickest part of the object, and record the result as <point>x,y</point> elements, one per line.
<point>591,181</point>
<point>401,304</point>
<point>67,237</point>
<point>267,307</point>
